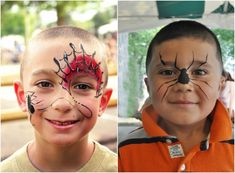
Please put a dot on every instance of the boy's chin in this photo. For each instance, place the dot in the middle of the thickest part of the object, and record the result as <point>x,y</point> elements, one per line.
<point>64,141</point>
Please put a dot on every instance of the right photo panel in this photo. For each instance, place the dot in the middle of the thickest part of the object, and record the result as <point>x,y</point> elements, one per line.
<point>176,89</point>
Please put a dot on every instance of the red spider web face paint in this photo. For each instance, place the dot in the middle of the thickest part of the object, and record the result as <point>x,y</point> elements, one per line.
<point>69,69</point>
<point>81,63</point>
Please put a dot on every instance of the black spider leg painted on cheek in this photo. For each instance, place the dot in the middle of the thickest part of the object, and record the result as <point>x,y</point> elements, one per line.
<point>174,80</point>
<point>30,106</point>
<point>31,102</point>
<point>84,114</point>
<point>163,63</point>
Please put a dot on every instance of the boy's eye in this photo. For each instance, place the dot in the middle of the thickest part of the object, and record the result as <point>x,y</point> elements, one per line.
<point>167,72</point>
<point>199,72</point>
<point>82,87</point>
<point>44,84</point>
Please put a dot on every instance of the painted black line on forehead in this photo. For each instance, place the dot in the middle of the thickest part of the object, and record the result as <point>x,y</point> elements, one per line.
<point>81,62</point>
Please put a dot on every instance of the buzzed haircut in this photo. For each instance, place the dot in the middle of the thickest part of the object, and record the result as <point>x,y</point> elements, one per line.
<point>68,32</point>
<point>64,32</point>
<point>184,29</point>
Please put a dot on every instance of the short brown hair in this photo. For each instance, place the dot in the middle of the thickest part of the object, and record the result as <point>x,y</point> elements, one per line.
<point>68,32</point>
<point>180,29</point>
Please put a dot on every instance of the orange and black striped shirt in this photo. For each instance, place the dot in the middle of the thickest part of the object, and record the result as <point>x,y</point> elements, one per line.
<point>150,148</point>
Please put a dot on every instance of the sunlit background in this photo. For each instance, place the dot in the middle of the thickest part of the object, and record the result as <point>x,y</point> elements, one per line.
<point>20,21</point>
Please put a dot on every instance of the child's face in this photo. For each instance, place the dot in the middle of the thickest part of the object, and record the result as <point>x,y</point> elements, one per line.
<point>62,85</point>
<point>184,80</point>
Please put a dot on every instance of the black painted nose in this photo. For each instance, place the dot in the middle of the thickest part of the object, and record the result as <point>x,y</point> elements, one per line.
<point>183,77</point>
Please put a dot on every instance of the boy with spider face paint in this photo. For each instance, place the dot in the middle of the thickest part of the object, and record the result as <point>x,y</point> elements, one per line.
<point>186,127</point>
<point>63,87</point>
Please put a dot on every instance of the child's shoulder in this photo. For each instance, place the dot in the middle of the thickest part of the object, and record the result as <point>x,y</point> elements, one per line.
<point>17,162</point>
<point>103,160</point>
<point>138,133</point>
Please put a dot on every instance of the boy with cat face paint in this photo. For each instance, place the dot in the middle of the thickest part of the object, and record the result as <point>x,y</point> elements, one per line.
<point>186,127</point>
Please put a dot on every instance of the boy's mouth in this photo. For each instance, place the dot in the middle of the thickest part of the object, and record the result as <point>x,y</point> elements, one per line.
<point>63,123</point>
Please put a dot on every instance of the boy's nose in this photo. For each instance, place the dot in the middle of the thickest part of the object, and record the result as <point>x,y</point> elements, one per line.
<point>62,104</point>
<point>179,87</point>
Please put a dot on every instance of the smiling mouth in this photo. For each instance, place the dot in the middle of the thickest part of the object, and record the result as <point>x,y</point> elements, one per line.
<point>62,123</point>
<point>183,102</point>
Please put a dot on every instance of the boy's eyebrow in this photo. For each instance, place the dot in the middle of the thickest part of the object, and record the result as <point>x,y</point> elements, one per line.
<point>43,71</point>
<point>172,63</point>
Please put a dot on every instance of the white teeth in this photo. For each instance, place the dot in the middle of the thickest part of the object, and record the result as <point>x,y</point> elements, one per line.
<point>63,123</point>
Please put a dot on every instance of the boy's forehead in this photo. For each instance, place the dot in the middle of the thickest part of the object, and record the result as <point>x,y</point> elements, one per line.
<point>184,47</point>
<point>41,54</point>
<point>51,48</point>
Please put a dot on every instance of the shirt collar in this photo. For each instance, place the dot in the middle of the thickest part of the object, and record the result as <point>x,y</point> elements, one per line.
<point>221,127</point>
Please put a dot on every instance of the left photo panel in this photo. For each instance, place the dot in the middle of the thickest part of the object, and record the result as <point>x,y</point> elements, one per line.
<point>58,86</point>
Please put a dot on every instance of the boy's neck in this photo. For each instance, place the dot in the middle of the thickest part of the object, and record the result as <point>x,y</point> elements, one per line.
<point>47,157</point>
<point>188,135</point>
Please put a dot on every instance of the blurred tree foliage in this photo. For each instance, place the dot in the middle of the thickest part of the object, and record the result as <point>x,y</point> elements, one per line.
<point>138,44</point>
<point>137,48</point>
<point>26,19</point>
<point>226,39</point>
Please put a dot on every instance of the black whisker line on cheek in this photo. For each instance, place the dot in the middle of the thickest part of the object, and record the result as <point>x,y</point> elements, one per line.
<point>36,102</point>
<point>43,109</point>
<point>202,81</point>
<point>191,62</point>
<point>167,90</point>
<point>166,83</point>
<point>200,89</point>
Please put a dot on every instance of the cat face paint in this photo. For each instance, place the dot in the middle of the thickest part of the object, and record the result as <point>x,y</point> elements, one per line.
<point>183,80</point>
<point>183,76</point>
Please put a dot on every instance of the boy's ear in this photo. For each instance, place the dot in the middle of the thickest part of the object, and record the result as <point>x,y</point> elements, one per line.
<point>222,83</point>
<point>105,100</point>
<point>19,91</point>
<point>146,83</point>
